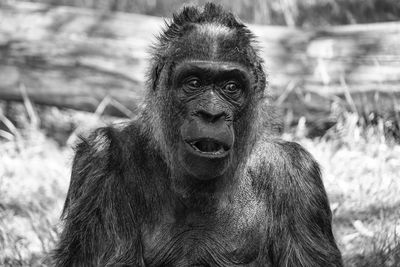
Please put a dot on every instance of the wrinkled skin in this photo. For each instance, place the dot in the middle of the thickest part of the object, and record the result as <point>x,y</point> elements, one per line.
<point>200,178</point>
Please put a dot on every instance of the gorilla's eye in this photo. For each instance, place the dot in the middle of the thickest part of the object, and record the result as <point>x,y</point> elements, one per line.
<point>193,82</point>
<point>232,90</point>
<point>231,87</point>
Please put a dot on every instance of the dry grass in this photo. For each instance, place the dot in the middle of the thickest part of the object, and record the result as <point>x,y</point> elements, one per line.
<point>34,177</point>
<point>360,171</point>
<point>361,175</point>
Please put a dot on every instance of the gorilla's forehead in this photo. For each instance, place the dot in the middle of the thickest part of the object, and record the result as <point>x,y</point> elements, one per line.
<point>212,41</point>
<point>213,30</point>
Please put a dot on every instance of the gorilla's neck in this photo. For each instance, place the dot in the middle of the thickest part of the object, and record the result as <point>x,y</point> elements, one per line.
<point>193,192</point>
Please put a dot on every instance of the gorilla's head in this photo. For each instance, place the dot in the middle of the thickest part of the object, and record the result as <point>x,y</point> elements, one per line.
<point>205,82</point>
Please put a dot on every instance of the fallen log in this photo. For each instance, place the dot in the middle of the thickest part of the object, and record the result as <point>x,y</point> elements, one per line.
<point>75,58</point>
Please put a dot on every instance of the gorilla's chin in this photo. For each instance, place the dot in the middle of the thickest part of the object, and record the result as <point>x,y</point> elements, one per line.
<point>204,159</point>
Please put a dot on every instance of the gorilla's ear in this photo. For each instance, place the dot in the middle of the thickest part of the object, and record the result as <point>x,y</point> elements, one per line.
<point>155,74</point>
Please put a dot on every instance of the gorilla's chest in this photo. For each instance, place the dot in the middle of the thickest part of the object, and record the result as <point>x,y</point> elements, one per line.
<point>203,240</point>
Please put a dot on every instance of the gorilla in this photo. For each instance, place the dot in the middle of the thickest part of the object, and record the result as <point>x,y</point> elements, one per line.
<point>201,177</point>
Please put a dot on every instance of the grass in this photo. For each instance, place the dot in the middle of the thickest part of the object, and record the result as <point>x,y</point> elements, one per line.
<point>361,174</point>
<point>360,170</point>
<point>34,175</point>
<point>34,179</point>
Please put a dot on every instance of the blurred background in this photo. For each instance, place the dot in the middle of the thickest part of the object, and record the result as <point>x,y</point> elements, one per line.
<point>69,66</point>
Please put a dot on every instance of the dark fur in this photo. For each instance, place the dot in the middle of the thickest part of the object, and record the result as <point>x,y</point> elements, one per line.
<point>129,204</point>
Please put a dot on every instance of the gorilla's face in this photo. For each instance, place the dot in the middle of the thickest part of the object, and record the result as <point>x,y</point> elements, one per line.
<point>210,94</point>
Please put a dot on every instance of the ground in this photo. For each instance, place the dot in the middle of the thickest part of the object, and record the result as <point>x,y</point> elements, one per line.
<point>360,172</point>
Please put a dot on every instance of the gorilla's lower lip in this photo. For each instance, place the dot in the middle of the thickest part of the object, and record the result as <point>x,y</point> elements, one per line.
<point>208,147</point>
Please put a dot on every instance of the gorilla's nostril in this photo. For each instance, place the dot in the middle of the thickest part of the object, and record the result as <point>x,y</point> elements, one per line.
<point>210,116</point>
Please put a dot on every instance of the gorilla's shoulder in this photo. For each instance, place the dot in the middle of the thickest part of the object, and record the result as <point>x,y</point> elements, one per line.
<point>106,141</point>
<point>272,157</point>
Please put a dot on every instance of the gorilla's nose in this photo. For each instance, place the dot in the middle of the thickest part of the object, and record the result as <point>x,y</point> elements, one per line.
<point>211,116</point>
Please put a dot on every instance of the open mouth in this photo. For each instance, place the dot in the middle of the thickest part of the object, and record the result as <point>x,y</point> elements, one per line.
<point>209,146</point>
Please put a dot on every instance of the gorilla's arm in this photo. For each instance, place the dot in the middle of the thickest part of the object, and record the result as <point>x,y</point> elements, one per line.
<point>298,224</point>
<point>99,221</point>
